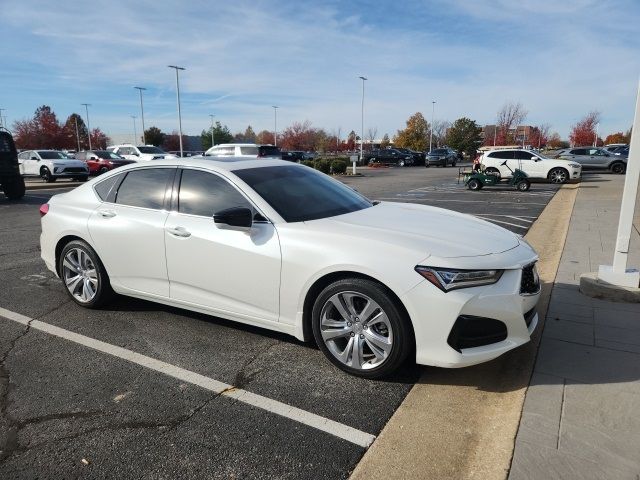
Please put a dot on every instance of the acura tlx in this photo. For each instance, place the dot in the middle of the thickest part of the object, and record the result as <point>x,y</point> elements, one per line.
<point>284,247</point>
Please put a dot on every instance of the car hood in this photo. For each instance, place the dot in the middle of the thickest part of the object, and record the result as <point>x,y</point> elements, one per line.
<point>428,230</point>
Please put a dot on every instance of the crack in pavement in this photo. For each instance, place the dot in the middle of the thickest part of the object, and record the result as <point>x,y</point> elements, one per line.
<point>241,378</point>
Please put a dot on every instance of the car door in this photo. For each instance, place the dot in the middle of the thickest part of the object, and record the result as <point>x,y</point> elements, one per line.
<point>128,230</point>
<point>580,155</point>
<point>228,270</point>
<point>524,161</point>
<point>599,158</point>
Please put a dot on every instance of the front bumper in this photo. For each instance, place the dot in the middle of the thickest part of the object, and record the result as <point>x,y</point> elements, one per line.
<point>436,316</point>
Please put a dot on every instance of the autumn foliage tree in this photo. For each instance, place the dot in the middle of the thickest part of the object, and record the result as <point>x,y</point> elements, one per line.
<point>465,136</point>
<point>415,135</point>
<point>554,141</point>
<point>509,117</point>
<point>302,136</point>
<point>583,133</point>
<point>617,137</point>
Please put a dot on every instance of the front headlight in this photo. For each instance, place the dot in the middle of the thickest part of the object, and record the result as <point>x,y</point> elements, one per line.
<point>575,165</point>
<point>447,279</point>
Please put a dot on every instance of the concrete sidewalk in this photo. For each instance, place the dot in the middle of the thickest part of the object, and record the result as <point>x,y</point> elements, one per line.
<point>581,416</point>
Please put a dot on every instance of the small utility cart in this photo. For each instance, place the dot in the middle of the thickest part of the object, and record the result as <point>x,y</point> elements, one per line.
<point>478,179</point>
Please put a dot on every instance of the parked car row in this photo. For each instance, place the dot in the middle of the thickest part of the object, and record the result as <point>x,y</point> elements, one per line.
<point>595,158</point>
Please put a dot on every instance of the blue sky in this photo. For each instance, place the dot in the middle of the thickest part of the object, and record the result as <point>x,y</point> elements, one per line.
<point>560,59</point>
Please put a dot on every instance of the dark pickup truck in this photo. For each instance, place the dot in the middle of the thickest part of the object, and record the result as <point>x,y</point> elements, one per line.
<point>388,156</point>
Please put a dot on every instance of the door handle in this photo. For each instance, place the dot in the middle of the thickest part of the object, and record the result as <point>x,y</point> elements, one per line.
<point>107,213</point>
<point>179,232</point>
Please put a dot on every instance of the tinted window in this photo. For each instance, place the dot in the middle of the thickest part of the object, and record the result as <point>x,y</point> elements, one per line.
<point>300,193</point>
<point>144,188</point>
<point>50,155</point>
<point>204,194</point>
<point>438,151</point>
<point>505,155</point>
<point>578,151</point>
<point>107,155</point>
<point>150,150</point>
<point>523,155</point>
<point>103,188</point>
<point>249,150</point>
<point>269,151</point>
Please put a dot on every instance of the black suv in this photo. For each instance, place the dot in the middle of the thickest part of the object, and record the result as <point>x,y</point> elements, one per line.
<point>388,156</point>
<point>442,157</point>
<point>418,157</point>
<point>10,179</point>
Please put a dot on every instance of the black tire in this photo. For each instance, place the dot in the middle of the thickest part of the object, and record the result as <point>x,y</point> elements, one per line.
<point>558,175</point>
<point>492,171</point>
<point>474,184</point>
<point>14,190</point>
<point>402,334</point>
<point>453,164</point>
<point>105,170</point>
<point>618,168</point>
<point>103,293</point>
<point>523,185</point>
<point>426,164</point>
<point>45,174</point>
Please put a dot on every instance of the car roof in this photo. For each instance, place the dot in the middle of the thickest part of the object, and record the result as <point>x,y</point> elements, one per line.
<point>223,163</point>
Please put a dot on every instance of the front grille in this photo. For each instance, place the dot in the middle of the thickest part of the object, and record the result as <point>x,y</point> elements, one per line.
<point>74,170</point>
<point>470,331</point>
<point>530,283</point>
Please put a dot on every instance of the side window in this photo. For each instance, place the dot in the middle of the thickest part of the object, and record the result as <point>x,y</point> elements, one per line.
<point>144,188</point>
<point>81,155</point>
<point>24,156</point>
<point>503,155</point>
<point>578,151</point>
<point>523,155</point>
<point>103,188</point>
<point>204,194</point>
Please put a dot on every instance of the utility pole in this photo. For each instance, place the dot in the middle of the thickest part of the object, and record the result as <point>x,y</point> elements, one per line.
<point>275,125</point>
<point>1,120</point>
<point>212,137</point>
<point>140,89</point>
<point>364,79</point>
<point>77,132</point>
<point>135,131</point>
<point>86,106</point>
<point>433,110</point>
<point>179,112</point>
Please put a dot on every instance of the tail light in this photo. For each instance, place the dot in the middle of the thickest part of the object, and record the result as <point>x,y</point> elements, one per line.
<point>44,209</point>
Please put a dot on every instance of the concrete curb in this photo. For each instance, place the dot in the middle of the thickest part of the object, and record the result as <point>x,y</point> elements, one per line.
<point>463,423</point>
<point>592,287</point>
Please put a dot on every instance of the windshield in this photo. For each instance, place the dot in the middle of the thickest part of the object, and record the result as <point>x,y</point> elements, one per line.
<point>300,193</point>
<point>108,155</point>
<point>439,151</point>
<point>52,155</point>
<point>151,150</point>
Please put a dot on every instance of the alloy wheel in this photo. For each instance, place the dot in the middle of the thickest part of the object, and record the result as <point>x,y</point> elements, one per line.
<point>558,176</point>
<point>80,275</point>
<point>356,330</point>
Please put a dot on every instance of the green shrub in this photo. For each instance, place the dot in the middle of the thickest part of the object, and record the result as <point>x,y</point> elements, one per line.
<point>309,163</point>
<point>338,166</point>
<point>323,165</point>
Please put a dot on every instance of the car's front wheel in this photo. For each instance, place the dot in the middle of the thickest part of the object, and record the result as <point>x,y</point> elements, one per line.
<point>359,327</point>
<point>558,175</point>
<point>618,168</point>
<point>45,174</point>
<point>83,274</point>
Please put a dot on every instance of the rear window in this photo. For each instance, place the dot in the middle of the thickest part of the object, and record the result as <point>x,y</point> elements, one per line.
<point>108,155</point>
<point>151,150</point>
<point>103,188</point>
<point>504,155</point>
<point>144,188</point>
<point>249,150</point>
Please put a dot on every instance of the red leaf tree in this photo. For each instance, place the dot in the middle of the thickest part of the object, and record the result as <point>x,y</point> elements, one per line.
<point>583,133</point>
<point>617,137</point>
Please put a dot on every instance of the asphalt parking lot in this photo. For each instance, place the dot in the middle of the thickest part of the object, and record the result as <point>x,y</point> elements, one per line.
<point>71,406</point>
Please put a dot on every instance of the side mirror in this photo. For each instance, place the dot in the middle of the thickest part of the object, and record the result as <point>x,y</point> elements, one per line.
<point>235,217</point>
<point>535,159</point>
<point>35,158</point>
<point>93,157</point>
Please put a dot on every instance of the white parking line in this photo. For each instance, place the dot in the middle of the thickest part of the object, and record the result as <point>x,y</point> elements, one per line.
<point>339,430</point>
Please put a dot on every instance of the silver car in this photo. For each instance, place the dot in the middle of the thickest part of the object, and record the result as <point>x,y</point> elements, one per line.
<point>594,158</point>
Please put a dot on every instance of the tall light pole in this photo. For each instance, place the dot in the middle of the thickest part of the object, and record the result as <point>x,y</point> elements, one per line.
<point>140,89</point>
<point>86,107</point>
<point>1,121</point>
<point>362,122</point>
<point>275,125</point>
<point>433,111</point>
<point>179,112</point>
<point>135,131</point>
<point>595,139</point>
<point>212,137</point>
<point>77,132</point>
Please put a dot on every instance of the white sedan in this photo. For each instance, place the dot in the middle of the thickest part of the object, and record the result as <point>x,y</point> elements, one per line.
<point>284,247</point>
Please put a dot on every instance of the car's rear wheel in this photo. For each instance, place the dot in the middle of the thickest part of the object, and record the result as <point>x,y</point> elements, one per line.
<point>401,163</point>
<point>83,274</point>
<point>492,171</point>
<point>558,175</point>
<point>45,174</point>
<point>618,168</point>
<point>103,170</point>
<point>359,327</point>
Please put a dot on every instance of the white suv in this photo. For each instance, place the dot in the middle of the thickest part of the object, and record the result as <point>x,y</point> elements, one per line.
<point>140,153</point>
<point>533,164</point>
<point>51,165</point>
<point>246,150</point>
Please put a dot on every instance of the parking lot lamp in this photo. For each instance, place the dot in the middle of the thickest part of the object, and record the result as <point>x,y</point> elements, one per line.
<point>362,122</point>
<point>618,274</point>
<point>135,131</point>
<point>1,121</point>
<point>595,139</point>
<point>86,107</point>
<point>177,69</point>
<point>212,137</point>
<point>140,89</point>
<point>433,111</point>
<point>77,132</point>
<point>275,125</point>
